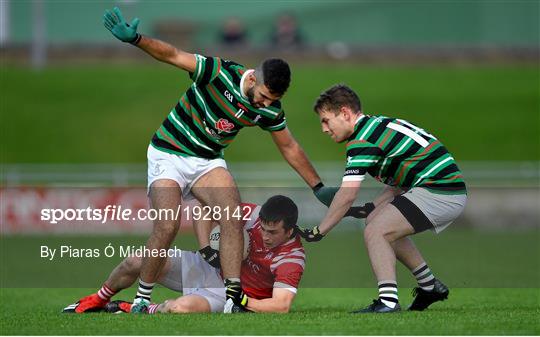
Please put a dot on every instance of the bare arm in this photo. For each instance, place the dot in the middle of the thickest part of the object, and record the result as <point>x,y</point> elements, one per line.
<point>340,205</point>
<point>295,156</point>
<point>280,301</point>
<point>167,53</point>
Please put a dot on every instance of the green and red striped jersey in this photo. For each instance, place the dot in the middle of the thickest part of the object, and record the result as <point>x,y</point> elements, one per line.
<point>400,154</point>
<point>212,111</point>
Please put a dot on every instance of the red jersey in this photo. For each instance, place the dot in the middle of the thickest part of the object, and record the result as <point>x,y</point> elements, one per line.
<point>265,269</point>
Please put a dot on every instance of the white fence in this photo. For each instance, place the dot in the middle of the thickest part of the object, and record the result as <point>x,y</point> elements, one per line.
<point>255,174</point>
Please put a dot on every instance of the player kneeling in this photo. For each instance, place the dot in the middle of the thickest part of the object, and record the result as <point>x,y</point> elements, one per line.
<point>270,274</point>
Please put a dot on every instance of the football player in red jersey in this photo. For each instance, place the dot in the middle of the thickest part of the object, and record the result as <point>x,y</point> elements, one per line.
<point>270,274</point>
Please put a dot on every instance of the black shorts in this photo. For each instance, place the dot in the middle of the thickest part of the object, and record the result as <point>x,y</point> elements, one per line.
<point>412,213</point>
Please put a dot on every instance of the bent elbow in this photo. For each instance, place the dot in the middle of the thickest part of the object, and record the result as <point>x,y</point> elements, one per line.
<point>284,309</point>
<point>291,147</point>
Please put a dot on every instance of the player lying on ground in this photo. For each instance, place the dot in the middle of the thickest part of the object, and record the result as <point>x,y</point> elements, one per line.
<point>270,274</point>
<point>425,190</point>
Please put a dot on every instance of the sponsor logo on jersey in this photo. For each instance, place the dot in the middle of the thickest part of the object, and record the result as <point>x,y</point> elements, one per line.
<point>213,133</point>
<point>254,267</point>
<point>224,125</point>
<point>228,95</point>
<point>352,172</point>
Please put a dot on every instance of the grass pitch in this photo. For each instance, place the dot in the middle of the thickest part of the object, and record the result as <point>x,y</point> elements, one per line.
<point>316,312</point>
<point>493,278</point>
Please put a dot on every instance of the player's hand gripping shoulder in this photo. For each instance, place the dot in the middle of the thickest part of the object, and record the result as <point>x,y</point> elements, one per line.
<point>211,256</point>
<point>115,23</point>
<point>311,235</point>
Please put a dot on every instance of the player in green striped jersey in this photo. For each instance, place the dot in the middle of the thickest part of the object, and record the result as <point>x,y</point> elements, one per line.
<point>185,157</point>
<point>424,190</point>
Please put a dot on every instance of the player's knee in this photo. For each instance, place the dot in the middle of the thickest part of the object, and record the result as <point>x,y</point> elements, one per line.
<point>376,231</point>
<point>372,232</point>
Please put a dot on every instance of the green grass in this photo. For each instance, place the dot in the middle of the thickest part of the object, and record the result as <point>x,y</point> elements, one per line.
<point>108,113</point>
<point>494,279</point>
<point>316,312</point>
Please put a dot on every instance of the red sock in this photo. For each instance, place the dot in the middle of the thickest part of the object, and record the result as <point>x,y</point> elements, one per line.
<point>105,293</point>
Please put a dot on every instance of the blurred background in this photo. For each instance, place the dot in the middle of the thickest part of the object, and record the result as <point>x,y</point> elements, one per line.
<point>78,108</point>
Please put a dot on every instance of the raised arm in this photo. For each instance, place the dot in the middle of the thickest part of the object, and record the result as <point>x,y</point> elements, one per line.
<point>167,53</point>
<point>161,51</point>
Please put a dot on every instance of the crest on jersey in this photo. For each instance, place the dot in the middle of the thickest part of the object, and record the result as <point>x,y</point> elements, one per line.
<point>158,170</point>
<point>224,125</point>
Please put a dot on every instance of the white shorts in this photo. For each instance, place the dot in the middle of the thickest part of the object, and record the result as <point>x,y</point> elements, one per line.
<point>192,275</point>
<point>428,210</point>
<point>184,170</point>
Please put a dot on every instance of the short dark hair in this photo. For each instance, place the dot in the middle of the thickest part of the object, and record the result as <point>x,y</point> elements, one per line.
<point>276,75</point>
<point>336,97</point>
<point>280,207</point>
